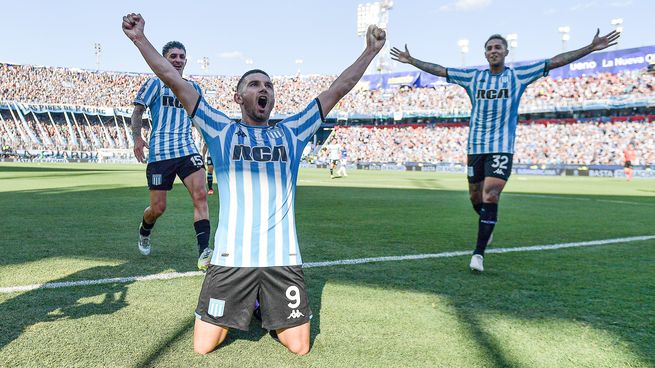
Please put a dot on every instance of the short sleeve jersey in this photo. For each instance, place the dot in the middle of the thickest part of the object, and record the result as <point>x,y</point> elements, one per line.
<point>495,103</point>
<point>171,135</point>
<point>256,168</point>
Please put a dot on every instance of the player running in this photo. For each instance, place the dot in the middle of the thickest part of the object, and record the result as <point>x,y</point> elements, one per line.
<point>172,153</point>
<point>334,151</point>
<point>257,253</point>
<point>343,163</point>
<point>630,159</point>
<point>495,94</point>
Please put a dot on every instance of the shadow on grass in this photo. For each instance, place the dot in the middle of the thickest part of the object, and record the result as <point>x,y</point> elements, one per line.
<point>360,223</point>
<point>47,305</point>
<point>603,287</point>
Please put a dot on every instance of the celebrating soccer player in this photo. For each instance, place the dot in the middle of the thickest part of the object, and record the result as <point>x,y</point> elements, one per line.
<point>172,152</point>
<point>257,253</point>
<point>495,94</point>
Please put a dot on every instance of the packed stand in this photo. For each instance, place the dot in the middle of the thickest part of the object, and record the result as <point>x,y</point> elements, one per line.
<point>582,143</point>
<point>31,84</point>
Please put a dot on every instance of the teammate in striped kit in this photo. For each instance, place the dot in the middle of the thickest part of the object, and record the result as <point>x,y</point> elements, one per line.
<point>172,152</point>
<point>257,254</point>
<point>495,94</point>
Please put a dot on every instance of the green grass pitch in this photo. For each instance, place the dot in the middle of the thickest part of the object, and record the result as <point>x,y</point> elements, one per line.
<point>576,307</point>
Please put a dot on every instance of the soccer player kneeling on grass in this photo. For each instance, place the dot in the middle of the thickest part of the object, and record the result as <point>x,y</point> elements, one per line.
<point>257,254</point>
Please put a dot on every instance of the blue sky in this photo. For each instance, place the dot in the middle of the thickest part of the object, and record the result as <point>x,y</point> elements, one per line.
<point>274,34</point>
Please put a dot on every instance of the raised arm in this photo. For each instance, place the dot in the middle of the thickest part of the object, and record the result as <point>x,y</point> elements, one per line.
<point>137,124</point>
<point>133,25</point>
<point>375,38</point>
<point>598,43</point>
<point>405,57</point>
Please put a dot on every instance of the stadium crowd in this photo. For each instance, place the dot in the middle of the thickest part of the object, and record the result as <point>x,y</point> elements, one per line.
<point>38,132</point>
<point>582,143</point>
<point>578,143</point>
<point>31,84</point>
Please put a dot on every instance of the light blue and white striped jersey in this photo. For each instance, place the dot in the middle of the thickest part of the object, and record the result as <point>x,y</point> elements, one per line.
<point>495,101</point>
<point>171,127</point>
<point>256,170</point>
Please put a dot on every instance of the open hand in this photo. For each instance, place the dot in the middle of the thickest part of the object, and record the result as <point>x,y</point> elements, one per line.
<point>402,56</point>
<point>600,43</point>
<point>139,144</point>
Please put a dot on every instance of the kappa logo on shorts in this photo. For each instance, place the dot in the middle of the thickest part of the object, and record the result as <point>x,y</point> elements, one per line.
<point>499,172</point>
<point>469,171</point>
<point>295,314</point>
<point>156,179</point>
<point>216,307</point>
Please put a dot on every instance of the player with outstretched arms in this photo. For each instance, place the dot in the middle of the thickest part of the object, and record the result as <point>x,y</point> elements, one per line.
<point>495,94</point>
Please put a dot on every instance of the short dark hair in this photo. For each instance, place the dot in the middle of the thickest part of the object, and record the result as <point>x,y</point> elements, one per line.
<point>252,71</point>
<point>172,45</point>
<point>496,37</point>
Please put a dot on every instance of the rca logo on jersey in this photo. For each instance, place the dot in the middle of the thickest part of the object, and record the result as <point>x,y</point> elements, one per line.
<point>171,102</point>
<point>259,153</point>
<point>295,314</point>
<point>492,94</point>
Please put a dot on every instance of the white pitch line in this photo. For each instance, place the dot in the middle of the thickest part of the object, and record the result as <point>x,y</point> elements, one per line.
<point>175,275</point>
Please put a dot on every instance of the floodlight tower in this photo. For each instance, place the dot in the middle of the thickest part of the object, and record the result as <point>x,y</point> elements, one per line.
<point>204,63</point>
<point>565,30</point>
<point>463,49</point>
<point>98,51</point>
<point>375,13</point>
<point>299,64</point>
<point>618,26</point>
<point>512,43</point>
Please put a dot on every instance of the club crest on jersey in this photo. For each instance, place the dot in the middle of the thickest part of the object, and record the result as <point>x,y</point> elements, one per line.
<point>259,153</point>
<point>275,133</point>
<point>492,94</point>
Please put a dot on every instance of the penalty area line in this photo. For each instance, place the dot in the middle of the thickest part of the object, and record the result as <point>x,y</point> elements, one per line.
<point>175,275</point>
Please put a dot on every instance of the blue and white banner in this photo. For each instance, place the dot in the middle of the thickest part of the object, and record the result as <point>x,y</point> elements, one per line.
<point>613,62</point>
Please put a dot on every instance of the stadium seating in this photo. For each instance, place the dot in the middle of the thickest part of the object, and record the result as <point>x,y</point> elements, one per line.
<point>549,141</point>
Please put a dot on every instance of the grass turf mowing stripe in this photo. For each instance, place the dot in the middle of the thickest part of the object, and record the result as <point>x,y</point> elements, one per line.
<point>174,275</point>
<point>547,196</point>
